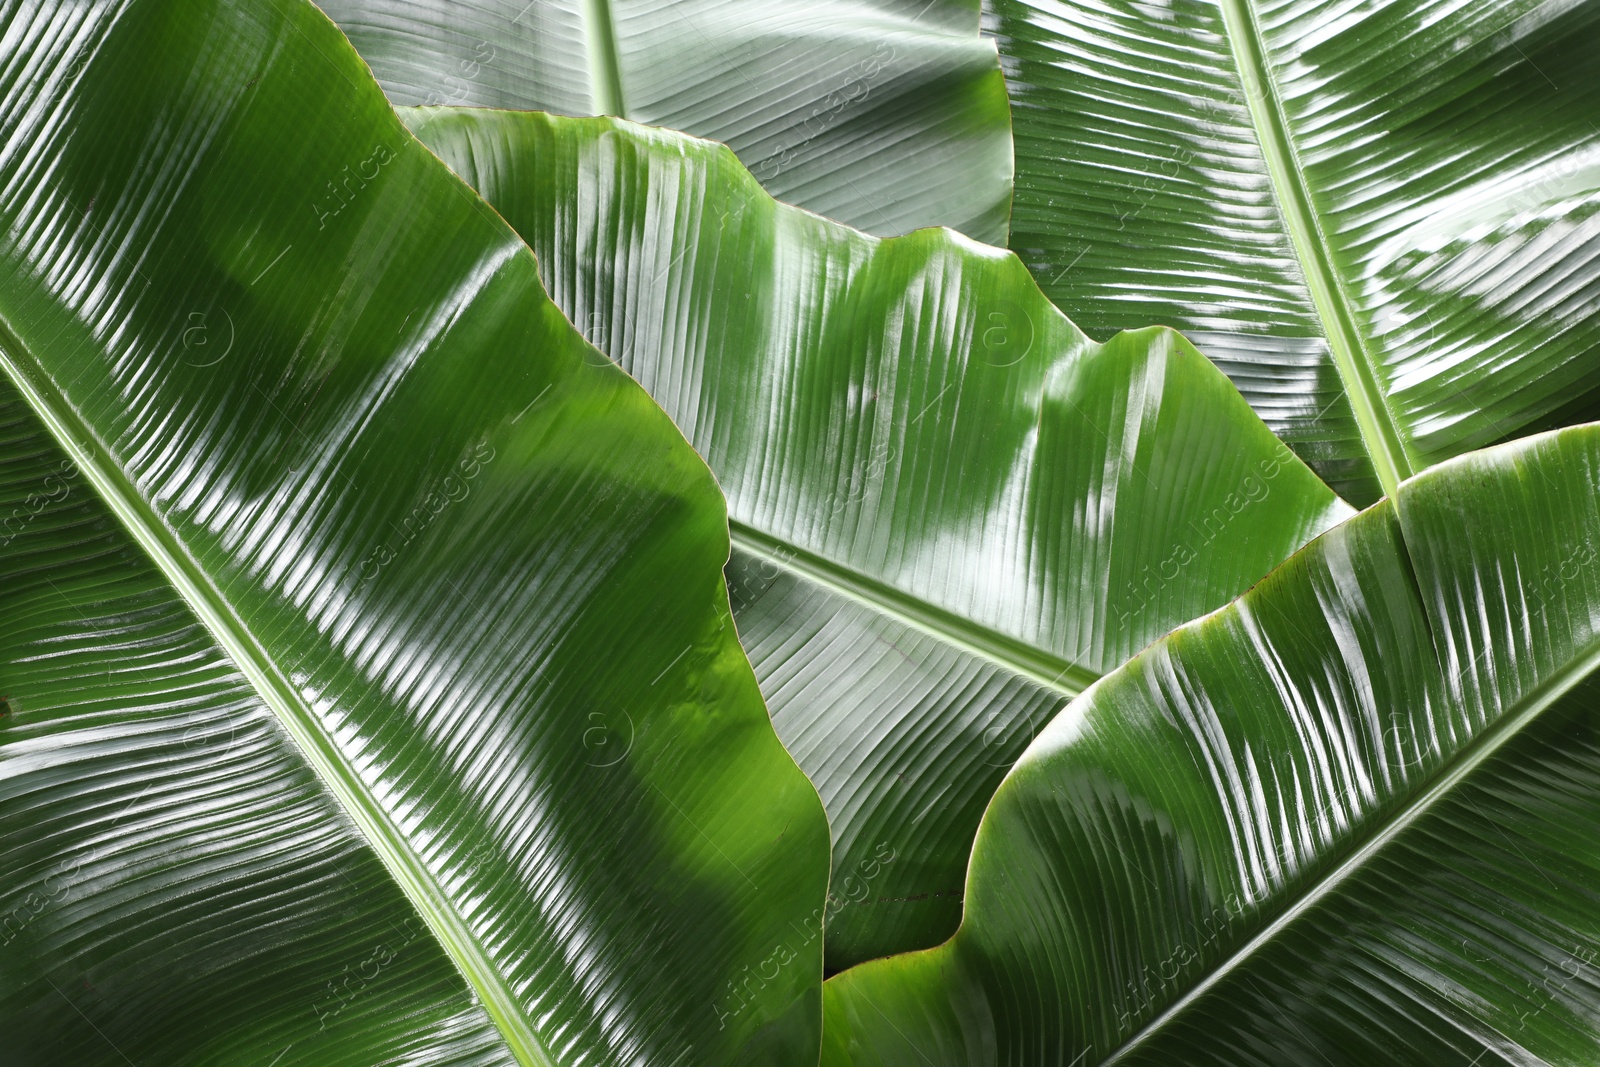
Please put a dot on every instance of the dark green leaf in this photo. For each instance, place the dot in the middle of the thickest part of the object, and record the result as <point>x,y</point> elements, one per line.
<point>346,493</point>
<point>1380,220</point>
<point>886,114</point>
<point>1350,819</point>
<point>951,511</point>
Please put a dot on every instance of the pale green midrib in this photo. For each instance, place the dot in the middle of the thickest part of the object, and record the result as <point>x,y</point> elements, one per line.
<point>1042,668</point>
<point>1379,433</point>
<point>319,750</point>
<point>605,60</point>
<point>1532,704</point>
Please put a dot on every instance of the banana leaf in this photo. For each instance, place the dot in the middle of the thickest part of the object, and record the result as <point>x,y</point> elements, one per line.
<point>951,511</point>
<point>1352,818</point>
<point>889,115</point>
<point>1379,219</point>
<point>369,693</point>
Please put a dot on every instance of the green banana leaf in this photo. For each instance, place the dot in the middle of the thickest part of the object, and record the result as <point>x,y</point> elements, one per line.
<point>889,115</point>
<point>951,511</point>
<point>1352,818</point>
<point>1380,219</point>
<point>369,689</point>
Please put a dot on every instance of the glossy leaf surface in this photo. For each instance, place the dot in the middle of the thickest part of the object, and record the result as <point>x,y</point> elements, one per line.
<point>951,511</point>
<point>492,777</point>
<point>1351,818</point>
<point>1379,219</point>
<point>888,115</point>
<point>179,887</point>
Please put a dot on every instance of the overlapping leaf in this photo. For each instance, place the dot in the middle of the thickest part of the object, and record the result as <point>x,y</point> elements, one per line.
<point>888,115</point>
<point>951,511</point>
<point>1349,819</point>
<point>369,692</point>
<point>179,886</point>
<point>1379,219</point>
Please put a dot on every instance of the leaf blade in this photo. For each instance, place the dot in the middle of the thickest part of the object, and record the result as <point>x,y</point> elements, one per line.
<point>212,797</point>
<point>1143,134</point>
<point>994,509</point>
<point>426,525</point>
<point>1252,853</point>
<point>888,116</point>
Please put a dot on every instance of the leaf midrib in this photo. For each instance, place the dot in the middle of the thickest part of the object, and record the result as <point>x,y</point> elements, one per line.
<point>1045,669</point>
<point>605,59</point>
<point>1380,434</point>
<point>318,748</point>
<point>1522,713</point>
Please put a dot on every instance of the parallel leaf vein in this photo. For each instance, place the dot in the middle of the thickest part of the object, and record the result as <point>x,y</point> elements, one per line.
<point>300,722</point>
<point>1517,718</point>
<point>1380,434</point>
<point>1043,668</point>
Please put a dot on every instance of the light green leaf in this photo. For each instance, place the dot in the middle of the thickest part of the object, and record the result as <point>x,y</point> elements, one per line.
<point>369,689</point>
<point>1379,219</point>
<point>1352,818</point>
<point>951,511</point>
<point>889,115</point>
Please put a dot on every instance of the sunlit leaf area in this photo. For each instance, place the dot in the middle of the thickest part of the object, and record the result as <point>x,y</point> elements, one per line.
<point>684,533</point>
